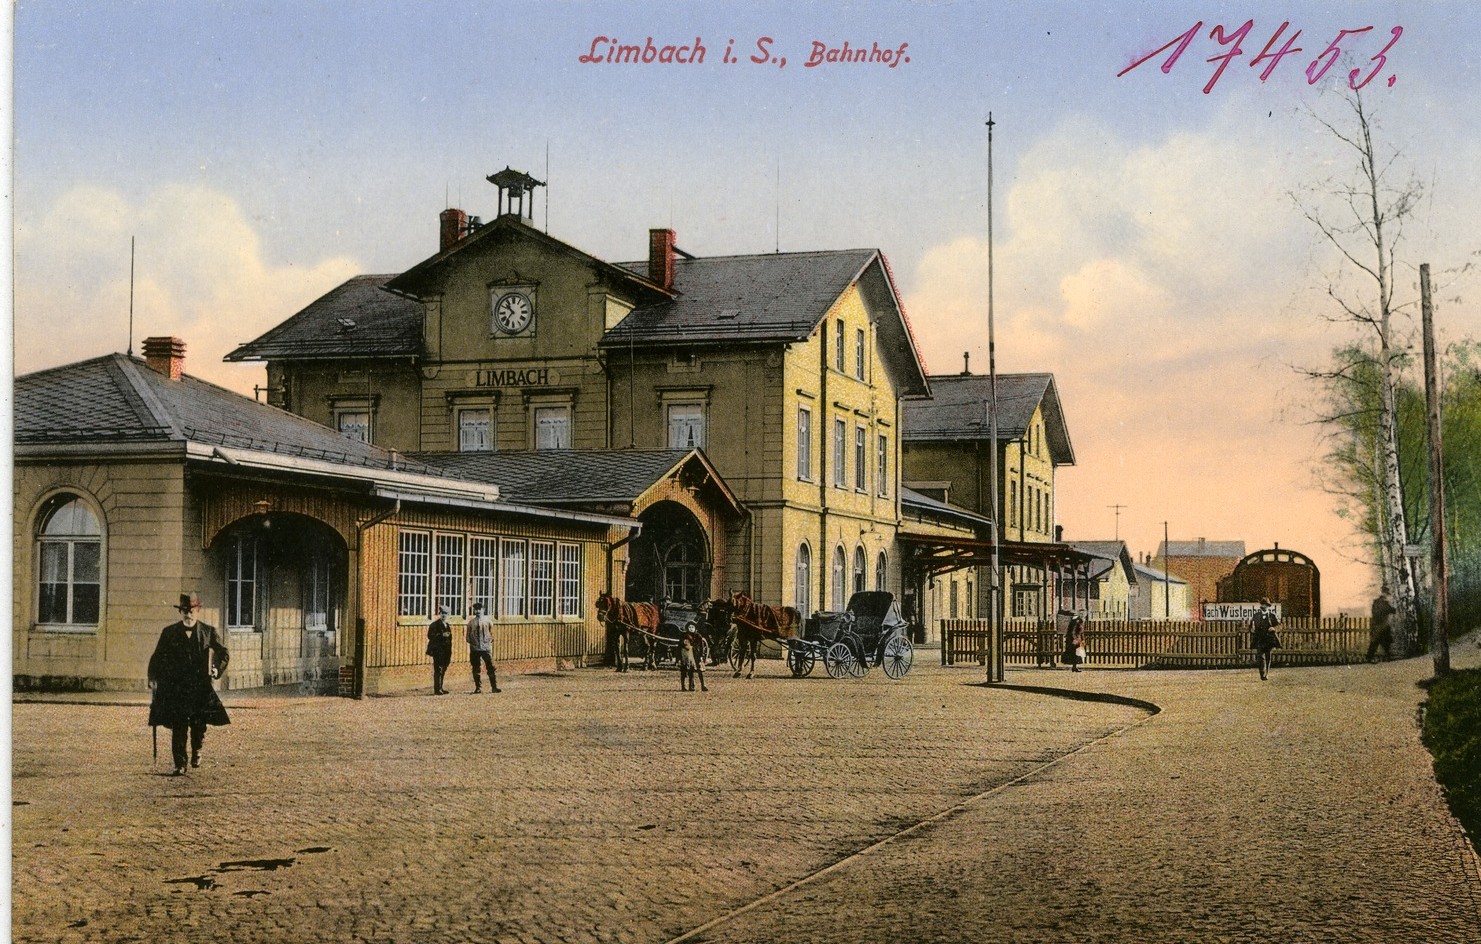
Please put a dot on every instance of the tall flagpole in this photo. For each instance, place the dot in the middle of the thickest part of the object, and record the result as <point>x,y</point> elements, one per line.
<point>995,669</point>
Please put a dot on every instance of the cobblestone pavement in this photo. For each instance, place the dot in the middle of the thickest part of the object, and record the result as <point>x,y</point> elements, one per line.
<point>591,807</point>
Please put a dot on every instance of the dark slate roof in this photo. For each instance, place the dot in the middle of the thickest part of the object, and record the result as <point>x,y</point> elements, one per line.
<point>769,299</point>
<point>955,411</point>
<point>357,319</point>
<point>777,297</point>
<point>570,476</point>
<point>118,398</point>
<point>1107,555</point>
<point>1201,548</point>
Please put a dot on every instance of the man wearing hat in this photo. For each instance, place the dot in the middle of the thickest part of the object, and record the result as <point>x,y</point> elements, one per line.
<point>1262,637</point>
<point>480,637</point>
<point>440,648</point>
<point>188,656</point>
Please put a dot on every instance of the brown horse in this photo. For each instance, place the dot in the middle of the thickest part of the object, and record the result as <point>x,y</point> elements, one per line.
<point>755,622</point>
<point>621,619</point>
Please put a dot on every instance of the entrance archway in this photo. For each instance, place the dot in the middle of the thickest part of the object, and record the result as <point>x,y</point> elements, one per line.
<point>282,581</point>
<point>671,559</point>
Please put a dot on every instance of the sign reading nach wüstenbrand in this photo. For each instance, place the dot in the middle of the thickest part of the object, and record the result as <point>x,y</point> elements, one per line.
<point>1233,612</point>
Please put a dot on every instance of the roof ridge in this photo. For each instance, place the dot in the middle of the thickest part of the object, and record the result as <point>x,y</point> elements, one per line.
<point>130,370</point>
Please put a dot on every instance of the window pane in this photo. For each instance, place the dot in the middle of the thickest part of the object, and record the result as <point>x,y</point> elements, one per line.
<point>73,518</point>
<point>511,578</point>
<point>474,433</point>
<point>354,426</point>
<point>686,426</point>
<point>450,573</point>
<point>804,443</point>
<point>542,579</point>
<point>85,599</point>
<point>241,584</point>
<point>570,580</point>
<point>54,562</point>
<point>859,353</point>
<point>860,570</point>
<point>414,573</point>
<point>52,603</point>
<point>840,435</point>
<point>859,456</point>
<point>839,576</point>
<point>883,465</point>
<point>85,555</point>
<point>881,572</point>
<point>803,589</point>
<point>482,571</point>
<point>838,345</point>
<point>552,427</point>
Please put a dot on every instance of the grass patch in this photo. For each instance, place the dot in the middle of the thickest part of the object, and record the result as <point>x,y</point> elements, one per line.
<point>1452,732</point>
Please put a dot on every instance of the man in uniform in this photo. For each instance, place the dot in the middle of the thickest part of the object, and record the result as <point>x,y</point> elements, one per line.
<point>187,657</point>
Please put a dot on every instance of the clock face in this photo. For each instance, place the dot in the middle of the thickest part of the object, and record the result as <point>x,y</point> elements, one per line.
<point>513,312</point>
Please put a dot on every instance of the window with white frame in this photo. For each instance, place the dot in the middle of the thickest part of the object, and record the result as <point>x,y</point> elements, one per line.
<point>861,464</point>
<point>686,426</point>
<point>840,448</point>
<point>881,571</point>
<point>802,590</point>
<point>861,570</point>
<point>804,444</point>
<point>552,427</point>
<point>69,555</point>
<point>882,465</point>
<point>241,582</point>
<point>414,574</point>
<point>512,569</point>
<point>449,580</point>
<point>569,591</point>
<point>838,357</point>
<point>859,353</point>
<point>483,570</point>
<point>542,579</point>
<point>475,430</point>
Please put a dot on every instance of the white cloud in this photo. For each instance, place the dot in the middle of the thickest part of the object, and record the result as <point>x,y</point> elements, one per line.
<point>200,275</point>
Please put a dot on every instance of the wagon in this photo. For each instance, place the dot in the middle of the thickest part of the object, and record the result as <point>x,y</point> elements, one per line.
<point>848,643</point>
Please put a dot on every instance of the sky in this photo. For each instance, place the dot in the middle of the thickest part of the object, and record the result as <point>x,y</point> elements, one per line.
<point>1148,243</point>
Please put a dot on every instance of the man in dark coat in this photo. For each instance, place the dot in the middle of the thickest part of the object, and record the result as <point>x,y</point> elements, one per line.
<point>188,656</point>
<point>1263,636</point>
<point>1380,630</point>
<point>440,648</point>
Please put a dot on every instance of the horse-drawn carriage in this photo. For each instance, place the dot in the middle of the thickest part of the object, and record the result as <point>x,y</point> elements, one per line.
<point>849,643</point>
<point>651,632</point>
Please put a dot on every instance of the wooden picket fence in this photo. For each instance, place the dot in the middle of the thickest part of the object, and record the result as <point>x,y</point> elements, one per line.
<point>1144,644</point>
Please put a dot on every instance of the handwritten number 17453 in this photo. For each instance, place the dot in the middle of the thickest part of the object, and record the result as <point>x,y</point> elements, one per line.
<point>1271,56</point>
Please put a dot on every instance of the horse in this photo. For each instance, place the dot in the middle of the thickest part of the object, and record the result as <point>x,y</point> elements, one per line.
<point>756,621</point>
<point>715,626</point>
<point>621,619</point>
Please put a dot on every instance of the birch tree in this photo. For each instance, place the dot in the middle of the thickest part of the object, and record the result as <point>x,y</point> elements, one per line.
<point>1361,215</point>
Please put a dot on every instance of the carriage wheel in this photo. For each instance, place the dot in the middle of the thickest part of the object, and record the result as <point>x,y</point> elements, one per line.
<point>839,660</point>
<point>898,655</point>
<point>800,661</point>
<point>860,666</point>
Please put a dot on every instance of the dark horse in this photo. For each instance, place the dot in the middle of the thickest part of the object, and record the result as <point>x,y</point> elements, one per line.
<point>621,619</point>
<point>756,621</point>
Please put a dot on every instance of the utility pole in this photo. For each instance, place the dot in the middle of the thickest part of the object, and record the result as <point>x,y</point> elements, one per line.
<point>996,667</point>
<point>1440,632</point>
<point>1118,518</point>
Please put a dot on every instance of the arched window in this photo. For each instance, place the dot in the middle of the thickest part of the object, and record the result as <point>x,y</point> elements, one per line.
<point>681,570</point>
<point>840,577</point>
<point>802,593</point>
<point>881,572</point>
<point>69,556</point>
<point>861,570</point>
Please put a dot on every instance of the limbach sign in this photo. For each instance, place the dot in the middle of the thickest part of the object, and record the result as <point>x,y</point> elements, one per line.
<point>1233,612</point>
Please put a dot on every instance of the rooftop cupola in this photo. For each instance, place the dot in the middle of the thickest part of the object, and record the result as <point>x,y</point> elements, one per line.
<point>516,192</point>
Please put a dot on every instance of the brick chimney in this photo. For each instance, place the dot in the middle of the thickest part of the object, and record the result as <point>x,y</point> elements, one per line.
<point>661,257</point>
<point>165,355</point>
<point>454,225</point>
